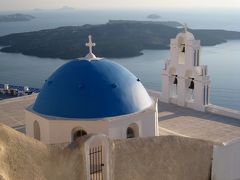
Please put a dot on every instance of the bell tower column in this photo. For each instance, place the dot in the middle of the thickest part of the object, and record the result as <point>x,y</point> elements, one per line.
<point>181,91</point>
<point>201,89</point>
<point>166,84</point>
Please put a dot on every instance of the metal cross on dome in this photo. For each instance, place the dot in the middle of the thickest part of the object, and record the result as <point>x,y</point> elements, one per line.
<point>90,44</point>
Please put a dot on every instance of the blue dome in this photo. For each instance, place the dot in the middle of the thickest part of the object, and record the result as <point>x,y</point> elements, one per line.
<point>91,89</point>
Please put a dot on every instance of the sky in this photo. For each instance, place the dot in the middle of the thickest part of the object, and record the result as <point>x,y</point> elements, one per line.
<point>8,5</point>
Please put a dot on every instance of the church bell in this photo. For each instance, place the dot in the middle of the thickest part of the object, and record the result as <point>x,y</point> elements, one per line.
<point>183,48</point>
<point>191,84</point>
<point>175,80</point>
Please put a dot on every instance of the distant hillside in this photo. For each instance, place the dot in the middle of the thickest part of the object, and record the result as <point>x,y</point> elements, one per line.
<point>66,8</point>
<point>166,23</point>
<point>15,18</point>
<point>153,16</point>
<point>122,39</point>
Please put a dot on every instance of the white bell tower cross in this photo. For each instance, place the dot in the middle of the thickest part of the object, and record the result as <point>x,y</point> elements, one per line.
<point>185,81</point>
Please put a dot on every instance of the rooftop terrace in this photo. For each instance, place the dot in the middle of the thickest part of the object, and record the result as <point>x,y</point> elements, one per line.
<point>172,120</point>
<point>201,125</point>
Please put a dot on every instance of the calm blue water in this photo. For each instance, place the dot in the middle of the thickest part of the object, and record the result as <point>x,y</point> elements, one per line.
<point>223,60</point>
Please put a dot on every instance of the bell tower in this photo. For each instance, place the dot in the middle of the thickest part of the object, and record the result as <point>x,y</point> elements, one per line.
<point>185,81</point>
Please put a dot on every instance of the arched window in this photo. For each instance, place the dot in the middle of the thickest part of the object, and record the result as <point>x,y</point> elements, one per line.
<point>133,131</point>
<point>130,133</point>
<point>36,130</point>
<point>76,133</point>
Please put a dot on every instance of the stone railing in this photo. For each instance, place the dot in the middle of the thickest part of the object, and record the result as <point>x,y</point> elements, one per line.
<point>223,111</point>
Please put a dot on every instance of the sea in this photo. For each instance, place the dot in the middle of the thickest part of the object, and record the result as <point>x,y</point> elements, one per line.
<point>223,60</point>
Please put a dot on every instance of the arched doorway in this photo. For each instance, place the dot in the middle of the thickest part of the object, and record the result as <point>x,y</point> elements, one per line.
<point>36,130</point>
<point>97,157</point>
<point>78,132</point>
<point>132,131</point>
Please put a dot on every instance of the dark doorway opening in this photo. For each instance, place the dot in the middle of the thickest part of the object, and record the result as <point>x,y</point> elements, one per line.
<point>78,133</point>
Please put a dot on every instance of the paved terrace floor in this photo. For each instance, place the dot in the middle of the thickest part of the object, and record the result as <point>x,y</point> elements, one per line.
<point>186,122</point>
<point>172,120</point>
<point>12,110</point>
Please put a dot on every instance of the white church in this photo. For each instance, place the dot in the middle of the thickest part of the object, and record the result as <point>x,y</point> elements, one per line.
<point>94,95</point>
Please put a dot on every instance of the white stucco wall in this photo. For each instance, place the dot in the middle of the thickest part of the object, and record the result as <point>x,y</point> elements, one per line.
<point>56,130</point>
<point>146,120</point>
<point>226,161</point>
<point>118,126</point>
<point>223,111</point>
<point>61,130</point>
<point>43,123</point>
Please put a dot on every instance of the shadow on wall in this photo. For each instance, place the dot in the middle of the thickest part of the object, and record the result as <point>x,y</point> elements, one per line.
<point>28,159</point>
<point>91,156</point>
<point>163,157</point>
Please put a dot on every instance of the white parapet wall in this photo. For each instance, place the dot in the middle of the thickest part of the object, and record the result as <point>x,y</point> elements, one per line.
<point>211,108</point>
<point>223,111</point>
<point>226,161</point>
<point>20,98</point>
<point>156,94</point>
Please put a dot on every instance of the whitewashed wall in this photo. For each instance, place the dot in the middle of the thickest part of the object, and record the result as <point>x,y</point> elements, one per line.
<point>54,130</point>
<point>61,130</point>
<point>146,120</point>
<point>43,123</point>
<point>226,161</point>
